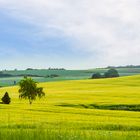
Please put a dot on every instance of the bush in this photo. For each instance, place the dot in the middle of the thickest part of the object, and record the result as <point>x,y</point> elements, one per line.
<point>6,99</point>
<point>96,76</point>
<point>111,73</point>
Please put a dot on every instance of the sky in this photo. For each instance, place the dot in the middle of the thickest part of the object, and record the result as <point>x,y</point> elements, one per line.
<point>71,34</point>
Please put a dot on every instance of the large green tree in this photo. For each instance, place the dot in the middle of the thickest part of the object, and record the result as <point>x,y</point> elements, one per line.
<point>29,90</point>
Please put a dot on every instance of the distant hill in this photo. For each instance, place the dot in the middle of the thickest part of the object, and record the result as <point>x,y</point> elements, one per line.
<point>127,66</point>
<point>5,75</point>
<point>8,78</point>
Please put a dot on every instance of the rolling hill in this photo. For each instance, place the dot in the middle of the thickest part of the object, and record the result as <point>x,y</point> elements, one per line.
<point>8,77</point>
<point>82,109</point>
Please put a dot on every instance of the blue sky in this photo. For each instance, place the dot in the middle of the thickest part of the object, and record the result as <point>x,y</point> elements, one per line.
<point>72,34</point>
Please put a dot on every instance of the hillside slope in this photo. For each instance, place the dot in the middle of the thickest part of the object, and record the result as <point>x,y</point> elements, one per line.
<point>69,110</point>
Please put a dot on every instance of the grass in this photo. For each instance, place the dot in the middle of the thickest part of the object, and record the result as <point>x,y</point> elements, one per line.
<point>49,119</point>
<point>105,107</point>
<point>67,135</point>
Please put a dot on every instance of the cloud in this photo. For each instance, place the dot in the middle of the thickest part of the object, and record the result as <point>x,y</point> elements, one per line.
<point>107,29</point>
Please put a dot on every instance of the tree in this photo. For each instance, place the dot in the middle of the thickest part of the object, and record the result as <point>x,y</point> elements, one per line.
<point>111,73</point>
<point>96,75</point>
<point>29,90</point>
<point>6,99</point>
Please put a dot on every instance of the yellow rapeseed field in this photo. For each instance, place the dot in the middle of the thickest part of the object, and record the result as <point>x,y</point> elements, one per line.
<point>67,111</point>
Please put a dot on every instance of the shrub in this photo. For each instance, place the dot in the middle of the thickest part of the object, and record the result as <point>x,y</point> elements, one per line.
<point>6,99</point>
<point>96,76</point>
<point>111,73</point>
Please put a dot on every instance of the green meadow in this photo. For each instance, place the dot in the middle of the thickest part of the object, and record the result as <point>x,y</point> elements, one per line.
<point>103,109</point>
<point>42,75</point>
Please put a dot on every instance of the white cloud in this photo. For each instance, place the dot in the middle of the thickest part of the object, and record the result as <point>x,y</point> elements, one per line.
<point>110,28</point>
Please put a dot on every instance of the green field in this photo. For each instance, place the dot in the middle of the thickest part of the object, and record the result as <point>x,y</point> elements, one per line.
<point>62,74</point>
<point>104,109</point>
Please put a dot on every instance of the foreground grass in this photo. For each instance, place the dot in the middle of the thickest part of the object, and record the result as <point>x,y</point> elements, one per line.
<point>49,119</point>
<point>66,135</point>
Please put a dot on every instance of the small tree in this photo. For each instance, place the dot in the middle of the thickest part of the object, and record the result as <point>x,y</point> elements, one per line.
<point>29,90</point>
<point>96,76</point>
<point>111,73</point>
<point>6,99</point>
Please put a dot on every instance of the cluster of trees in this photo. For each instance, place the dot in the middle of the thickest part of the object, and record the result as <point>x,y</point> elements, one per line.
<point>33,69</point>
<point>28,90</point>
<point>56,69</point>
<point>45,69</point>
<point>51,76</point>
<point>109,74</point>
<point>29,69</point>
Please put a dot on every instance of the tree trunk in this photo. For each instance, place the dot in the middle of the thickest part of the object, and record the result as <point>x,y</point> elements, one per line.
<point>30,102</point>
